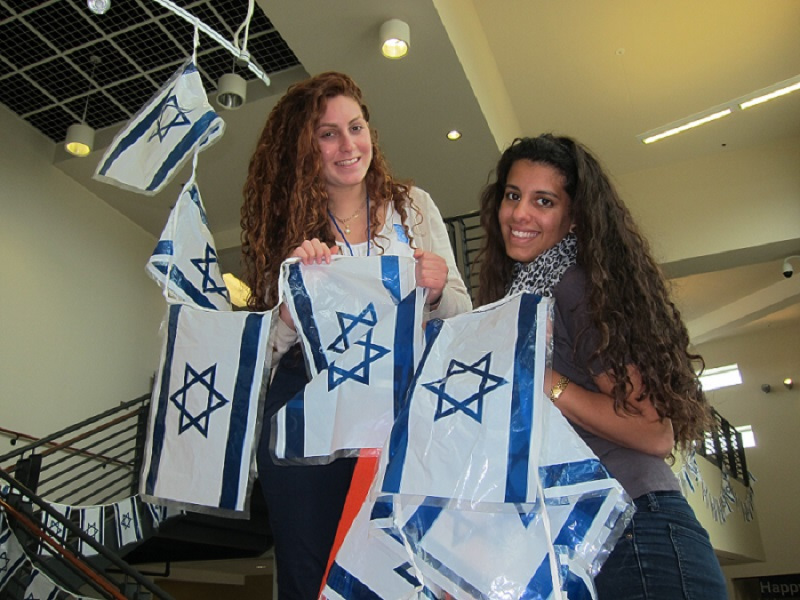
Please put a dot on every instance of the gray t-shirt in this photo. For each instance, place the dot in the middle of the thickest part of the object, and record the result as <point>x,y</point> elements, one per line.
<point>638,473</point>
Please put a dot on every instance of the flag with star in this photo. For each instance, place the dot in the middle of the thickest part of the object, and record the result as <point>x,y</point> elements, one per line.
<point>92,522</point>
<point>54,528</point>
<point>186,252</point>
<point>127,522</point>
<point>360,325</point>
<point>40,587</point>
<point>202,432</point>
<point>152,147</point>
<point>12,556</point>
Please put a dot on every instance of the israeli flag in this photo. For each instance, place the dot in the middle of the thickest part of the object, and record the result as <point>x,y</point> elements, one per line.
<point>12,556</point>
<point>466,432</point>
<point>54,528</point>
<point>40,587</point>
<point>158,140</point>
<point>186,252</point>
<point>92,522</point>
<point>127,522</point>
<point>360,324</point>
<point>157,512</point>
<point>202,432</point>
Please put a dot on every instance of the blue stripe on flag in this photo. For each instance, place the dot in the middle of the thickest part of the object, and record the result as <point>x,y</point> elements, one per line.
<point>295,427</point>
<point>390,276</point>
<point>398,439</point>
<point>240,411</point>
<point>302,303</point>
<point>571,534</point>
<point>178,278</point>
<point>404,350</point>
<point>181,149</point>
<point>164,247</point>
<point>160,421</point>
<point>136,133</point>
<point>348,586</point>
<point>420,523</point>
<point>522,401</point>
<point>572,473</point>
<point>10,568</point>
<point>194,194</point>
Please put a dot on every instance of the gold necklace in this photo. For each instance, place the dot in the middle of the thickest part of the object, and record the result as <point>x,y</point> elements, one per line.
<point>347,219</point>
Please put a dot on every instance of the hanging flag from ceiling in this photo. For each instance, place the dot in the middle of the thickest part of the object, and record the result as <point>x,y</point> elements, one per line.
<point>13,556</point>
<point>202,432</point>
<point>186,251</point>
<point>154,145</point>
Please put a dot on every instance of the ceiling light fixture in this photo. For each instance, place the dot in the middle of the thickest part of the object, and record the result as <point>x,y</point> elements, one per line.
<point>722,110</point>
<point>453,135</point>
<point>232,91</point>
<point>395,38</point>
<point>98,7</point>
<point>80,137</point>
<point>788,383</point>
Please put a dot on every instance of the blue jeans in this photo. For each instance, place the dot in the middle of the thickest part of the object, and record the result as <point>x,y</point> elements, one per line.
<point>664,554</point>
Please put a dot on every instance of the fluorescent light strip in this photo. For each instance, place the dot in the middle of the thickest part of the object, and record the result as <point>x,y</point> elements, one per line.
<point>689,125</point>
<point>771,96</point>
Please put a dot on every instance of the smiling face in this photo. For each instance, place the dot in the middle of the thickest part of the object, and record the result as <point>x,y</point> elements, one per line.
<point>534,214</point>
<point>344,142</point>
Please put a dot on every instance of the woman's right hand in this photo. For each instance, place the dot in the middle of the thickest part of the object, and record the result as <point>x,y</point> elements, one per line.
<point>314,252</point>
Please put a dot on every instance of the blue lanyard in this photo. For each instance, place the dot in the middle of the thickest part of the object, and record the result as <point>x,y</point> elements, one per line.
<point>341,233</point>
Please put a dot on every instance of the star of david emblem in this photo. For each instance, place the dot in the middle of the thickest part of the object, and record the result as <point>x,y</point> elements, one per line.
<point>204,266</point>
<point>206,394</point>
<point>56,527</point>
<point>360,372</point>
<point>172,115</point>
<point>31,597</point>
<point>368,317</point>
<point>461,373</point>
<point>349,328</point>
<point>4,560</point>
<point>92,530</point>
<point>404,571</point>
<point>126,521</point>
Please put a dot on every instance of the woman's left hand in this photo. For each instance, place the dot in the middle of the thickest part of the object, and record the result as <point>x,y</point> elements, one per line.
<point>431,272</point>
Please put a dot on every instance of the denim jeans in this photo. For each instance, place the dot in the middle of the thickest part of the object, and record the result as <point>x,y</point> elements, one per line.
<point>664,554</point>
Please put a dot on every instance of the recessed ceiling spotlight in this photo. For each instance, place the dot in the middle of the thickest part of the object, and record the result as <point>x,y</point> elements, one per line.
<point>395,36</point>
<point>788,383</point>
<point>98,7</point>
<point>453,135</point>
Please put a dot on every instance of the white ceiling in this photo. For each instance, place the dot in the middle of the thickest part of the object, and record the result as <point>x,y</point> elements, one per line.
<point>603,72</point>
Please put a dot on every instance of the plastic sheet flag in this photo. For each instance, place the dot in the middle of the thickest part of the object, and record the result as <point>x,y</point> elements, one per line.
<point>187,252</point>
<point>466,432</point>
<point>157,512</point>
<point>92,523</point>
<point>360,324</point>
<point>127,522</point>
<point>12,556</point>
<point>158,140</point>
<point>54,528</point>
<point>40,587</point>
<point>202,432</point>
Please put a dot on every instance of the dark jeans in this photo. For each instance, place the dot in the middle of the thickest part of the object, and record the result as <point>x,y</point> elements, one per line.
<point>304,502</point>
<point>664,554</point>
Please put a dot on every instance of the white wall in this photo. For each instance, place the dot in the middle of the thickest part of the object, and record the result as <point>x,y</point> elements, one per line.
<point>767,357</point>
<point>79,318</point>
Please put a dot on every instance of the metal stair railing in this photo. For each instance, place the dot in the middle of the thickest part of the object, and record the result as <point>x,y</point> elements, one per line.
<point>466,235</point>
<point>723,446</point>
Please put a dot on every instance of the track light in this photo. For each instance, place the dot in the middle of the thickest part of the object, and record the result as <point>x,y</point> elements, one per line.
<point>395,38</point>
<point>80,137</point>
<point>787,269</point>
<point>232,91</point>
<point>788,383</point>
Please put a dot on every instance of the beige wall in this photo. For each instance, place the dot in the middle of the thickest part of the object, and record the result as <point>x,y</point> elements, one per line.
<point>79,318</point>
<point>767,357</point>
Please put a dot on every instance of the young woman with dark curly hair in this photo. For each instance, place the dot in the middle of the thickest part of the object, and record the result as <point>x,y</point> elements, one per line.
<point>318,185</point>
<point>622,371</point>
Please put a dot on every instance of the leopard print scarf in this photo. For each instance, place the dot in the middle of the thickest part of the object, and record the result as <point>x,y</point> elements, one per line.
<point>543,273</point>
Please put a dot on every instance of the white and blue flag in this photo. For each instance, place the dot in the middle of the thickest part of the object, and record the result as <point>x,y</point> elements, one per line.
<point>55,528</point>
<point>40,587</point>
<point>127,522</point>
<point>186,252</point>
<point>360,325</point>
<point>153,146</point>
<point>92,522</point>
<point>202,433</point>
<point>12,556</point>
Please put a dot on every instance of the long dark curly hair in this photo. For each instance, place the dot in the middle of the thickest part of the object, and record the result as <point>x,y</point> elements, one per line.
<point>285,196</point>
<point>628,297</point>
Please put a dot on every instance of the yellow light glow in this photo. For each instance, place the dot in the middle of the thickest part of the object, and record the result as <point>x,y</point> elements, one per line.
<point>78,149</point>
<point>394,48</point>
<point>771,96</point>
<point>685,126</point>
<point>238,289</point>
<point>453,135</point>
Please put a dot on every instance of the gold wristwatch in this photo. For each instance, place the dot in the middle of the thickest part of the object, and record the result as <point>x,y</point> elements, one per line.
<point>558,388</point>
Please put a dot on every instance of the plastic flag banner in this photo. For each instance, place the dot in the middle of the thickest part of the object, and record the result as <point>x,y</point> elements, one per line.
<point>126,521</point>
<point>360,324</point>
<point>12,557</point>
<point>92,524</point>
<point>202,432</point>
<point>158,513</point>
<point>187,252</point>
<point>40,587</point>
<point>158,140</point>
<point>54,528</point>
